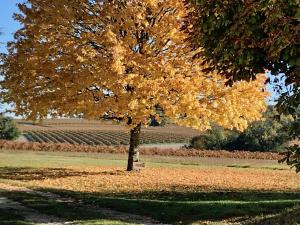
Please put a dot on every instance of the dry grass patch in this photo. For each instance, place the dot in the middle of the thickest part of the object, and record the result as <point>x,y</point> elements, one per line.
<point>116,180</point>
<point>52,147</point>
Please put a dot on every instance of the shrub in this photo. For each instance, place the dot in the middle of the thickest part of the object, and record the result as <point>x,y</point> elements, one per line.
<point>214,139</point>
<point>64,147</point>
<point>8,129</point>
<point>265,135</point>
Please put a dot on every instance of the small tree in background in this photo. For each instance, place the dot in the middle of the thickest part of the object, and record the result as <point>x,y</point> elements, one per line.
<point>121,59</point>
<point>8,129</point>
<point>271,134</point>
<point>160,119</point>
<point>216,138</point>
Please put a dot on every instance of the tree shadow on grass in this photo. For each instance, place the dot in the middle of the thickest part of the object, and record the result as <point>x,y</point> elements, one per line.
<point>9,217</point>
<point>167,207</point>
<point>29,173</point>
<point>186,208</point>
<point>51,210</point>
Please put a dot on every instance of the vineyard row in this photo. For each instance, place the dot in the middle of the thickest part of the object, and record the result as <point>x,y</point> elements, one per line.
<point>108,138</point>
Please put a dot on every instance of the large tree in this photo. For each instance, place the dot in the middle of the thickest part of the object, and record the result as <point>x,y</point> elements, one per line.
<point>121,59</point>
<point>292,155</point>
<point>241,38</point>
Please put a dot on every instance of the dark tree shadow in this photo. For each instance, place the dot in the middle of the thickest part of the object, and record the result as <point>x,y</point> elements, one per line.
<point>67,211</point>
<point>9,217</point>
<point>29,173</point>
<point>186,208</point>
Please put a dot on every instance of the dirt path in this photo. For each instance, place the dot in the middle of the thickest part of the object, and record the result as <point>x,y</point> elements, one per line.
<point>164,145</point>
<point>22,138</point>
<point>33,216</point>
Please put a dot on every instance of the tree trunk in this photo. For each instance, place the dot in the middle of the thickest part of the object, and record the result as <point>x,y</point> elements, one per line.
<point>133,154</point>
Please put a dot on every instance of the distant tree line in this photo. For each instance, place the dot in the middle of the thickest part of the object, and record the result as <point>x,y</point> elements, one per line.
<point>270,134</point>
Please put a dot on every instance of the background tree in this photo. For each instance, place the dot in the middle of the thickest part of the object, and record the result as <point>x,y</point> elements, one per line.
<point>270,134</point>
<point>121,59</point>
<point>216,138</point>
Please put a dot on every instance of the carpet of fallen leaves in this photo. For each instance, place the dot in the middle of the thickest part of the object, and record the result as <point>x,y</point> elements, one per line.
<point>108,180</point>
<point>52,147</point>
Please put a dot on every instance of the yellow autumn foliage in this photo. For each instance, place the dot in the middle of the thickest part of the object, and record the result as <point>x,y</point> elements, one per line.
<point>123,58</point>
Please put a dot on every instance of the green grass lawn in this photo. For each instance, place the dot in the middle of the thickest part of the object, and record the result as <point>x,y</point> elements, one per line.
<point>165,206</point>
<point>65,159</point>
